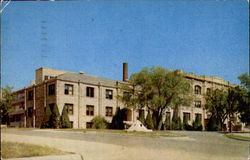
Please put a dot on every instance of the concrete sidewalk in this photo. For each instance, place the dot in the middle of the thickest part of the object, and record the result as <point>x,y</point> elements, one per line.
<point>61,157</point>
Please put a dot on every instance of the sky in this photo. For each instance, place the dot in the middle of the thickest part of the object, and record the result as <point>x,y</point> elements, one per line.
<point>205,37</point>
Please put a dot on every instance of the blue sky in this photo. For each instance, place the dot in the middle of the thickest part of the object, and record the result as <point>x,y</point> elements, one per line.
<point>96,37</point>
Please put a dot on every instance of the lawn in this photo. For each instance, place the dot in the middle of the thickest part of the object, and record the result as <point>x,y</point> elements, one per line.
<point>238,137</point>
<point>18,150</point>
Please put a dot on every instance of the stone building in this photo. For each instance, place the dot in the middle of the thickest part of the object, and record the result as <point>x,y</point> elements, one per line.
<point>87,96</point>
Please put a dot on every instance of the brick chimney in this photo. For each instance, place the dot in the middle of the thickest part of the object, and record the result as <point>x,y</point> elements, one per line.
<point>125,72</point>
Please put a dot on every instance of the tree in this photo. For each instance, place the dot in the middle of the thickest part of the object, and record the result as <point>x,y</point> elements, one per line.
<point>141,117</point>
<point>47,118</point>
<point>149,121</point>
<point>65,123</point>
<point>216,103</point>
<point>197,126</point>
<point>213,124</point>
<point>176,121</point>
<point>244,99</point>
<point>118,118</point>
<point>6,104</point>
<point>157,89</point>
<point>55,117</point>
<point>99,122</point>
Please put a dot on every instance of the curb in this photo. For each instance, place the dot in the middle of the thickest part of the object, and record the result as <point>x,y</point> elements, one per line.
<point>61,157</point>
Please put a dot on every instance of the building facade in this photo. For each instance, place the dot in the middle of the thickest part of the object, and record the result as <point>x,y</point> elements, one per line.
<point>87,96</point>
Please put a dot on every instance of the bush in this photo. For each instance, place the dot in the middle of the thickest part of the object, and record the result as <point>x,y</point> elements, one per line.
<point>213,124</point>
<point>149,121</point>
<point>197,126</point>
<point>186,126</point>
<point>99,122</point>
<point>118,118</point>
<point>55,117</point>
<point>176,122</point>
<point>47,118</point>
<point>141,117</point>
<point>65,123</point>
<point>167,124</point>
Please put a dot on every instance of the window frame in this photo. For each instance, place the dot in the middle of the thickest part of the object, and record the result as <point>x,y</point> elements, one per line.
<point>90,92</point>
<point>197,104</point>
<point>197,89</point>
<point>109,94</point>
<point>70,110</point>
<point>30,95</point>
<point>68,88</point>
<point>109,111</point>
<point>51,87</point>
<point>188,114</point>
<point>90,110</point>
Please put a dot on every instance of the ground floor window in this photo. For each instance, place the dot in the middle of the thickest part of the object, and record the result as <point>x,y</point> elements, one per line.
<point>109,111</point>
<point>71,124</point>
<point>89,124</point>
<point>186,116</point>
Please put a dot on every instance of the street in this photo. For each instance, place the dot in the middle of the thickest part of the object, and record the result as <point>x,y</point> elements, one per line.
<point>112,146</point>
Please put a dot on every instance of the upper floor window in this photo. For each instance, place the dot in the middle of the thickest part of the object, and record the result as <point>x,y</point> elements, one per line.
<point>197,104</point>
<point>89,110</point>
<point>90,92</point>
<point>109,94</point>
<point>30,95</point>
<point>68,89</point>
<point>70,108</point>
<point>109,111</point>
<point>46,77</point>
<point>197,89</point>
<point>30,111</point>
<point>52,89</point>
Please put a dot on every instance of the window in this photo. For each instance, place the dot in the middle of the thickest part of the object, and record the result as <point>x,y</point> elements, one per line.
<point>52,89</point>
<point>70,108</point>
<point>30,111</point>
<point>208,90</point>
<point>89,125</point>
<point>90,92</point>
<point>68,89</point>
<point>197,104</point>
<point>30,95</point>
<point>109,94</point>
<point>109,111</point>
<point>46,77</point>
<point>71,124</point>
<point>197,89</point>
<point>198,116</point>
<point>186,116</point>
<point>89,110</point>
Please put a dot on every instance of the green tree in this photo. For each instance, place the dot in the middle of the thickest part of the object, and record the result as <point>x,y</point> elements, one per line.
<point>6,104</point>
<point>65,123</point>
<point>213,124</point>
<point>244,99</point>
<point>167,123</point>
<point>47,118</point>
<point>118,118</point>
<point>176,121</point>
<point>141,117</point>
<point>157,89</point>
<point>55,117</point>
<point>99,122</point>
<point>197,124</point>
<point>149,122</point>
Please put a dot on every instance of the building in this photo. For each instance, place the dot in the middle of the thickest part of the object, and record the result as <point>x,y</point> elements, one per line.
<point>87,96</point>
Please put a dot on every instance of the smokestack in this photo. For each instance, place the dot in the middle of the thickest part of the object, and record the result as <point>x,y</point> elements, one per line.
<point>125,72</point>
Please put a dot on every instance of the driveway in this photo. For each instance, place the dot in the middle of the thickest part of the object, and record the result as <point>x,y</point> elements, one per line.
<point>112,146</point>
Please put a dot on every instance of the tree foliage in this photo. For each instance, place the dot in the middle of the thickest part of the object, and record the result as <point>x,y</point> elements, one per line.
<point>47,118</point>
<point>6,104</point>
<point>65,123</point>
<point>156,89</point>
<point>149,122</point>
<point>118,118</point>
<point>55,117</point>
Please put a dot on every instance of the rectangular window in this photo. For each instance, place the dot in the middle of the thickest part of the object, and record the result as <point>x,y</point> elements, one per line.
<point>186,116</point>
<point>89,110</point>
<point>197,104</point>
<point>70,108</point>
<point>109,111</point>
<point>90,92</point>
<point>46,77</point>
<point>52,89</point>
<point>30,95</point>
<point>71,124</point>
<point>30,111</point>
<point>109,94</point>
<point>68,89</point>
<point>89,125</point>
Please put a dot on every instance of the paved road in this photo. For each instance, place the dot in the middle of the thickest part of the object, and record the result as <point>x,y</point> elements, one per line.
<point>101,146</point>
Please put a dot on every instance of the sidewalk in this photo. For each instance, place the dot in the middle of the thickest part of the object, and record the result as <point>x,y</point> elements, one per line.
<point>62,157</point>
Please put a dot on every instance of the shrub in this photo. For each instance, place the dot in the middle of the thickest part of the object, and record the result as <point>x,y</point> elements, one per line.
<point>149,121</point>
<point>167,124</point>
<point>197,126</point>
<point>46,123</point>
<point>186,126</point>
<point>213,124</point>
<point>141,117</point>
<point>176,122</point>
<point>65,123</point>
<point>99,122</point>
<point>118,118</point>
<point>55,117</point>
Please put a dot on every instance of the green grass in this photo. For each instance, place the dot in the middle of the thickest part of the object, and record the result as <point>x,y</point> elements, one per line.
<point>123,132</point>
<point>238,137</point>
<point>18,150</point>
